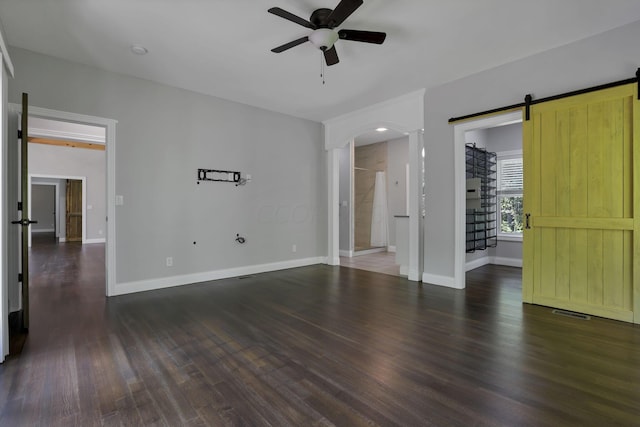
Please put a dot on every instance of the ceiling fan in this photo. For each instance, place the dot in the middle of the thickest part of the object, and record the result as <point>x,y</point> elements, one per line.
<point>323,23</point>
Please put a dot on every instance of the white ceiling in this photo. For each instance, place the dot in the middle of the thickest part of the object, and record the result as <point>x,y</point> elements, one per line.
<point>222,47</point>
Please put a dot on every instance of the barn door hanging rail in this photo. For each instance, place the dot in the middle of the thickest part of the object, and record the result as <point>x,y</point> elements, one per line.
<point>529,101</point>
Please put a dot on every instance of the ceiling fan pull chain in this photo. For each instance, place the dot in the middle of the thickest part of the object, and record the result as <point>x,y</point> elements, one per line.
<point>322,66</point>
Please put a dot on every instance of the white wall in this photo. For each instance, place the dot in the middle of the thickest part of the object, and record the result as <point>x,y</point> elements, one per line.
<point>608,57</point>
<point>397,159</point>
<point>164,135</point>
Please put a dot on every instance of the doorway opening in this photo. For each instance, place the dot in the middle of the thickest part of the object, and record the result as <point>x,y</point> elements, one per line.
<point>373,196</point>
<point>64,219</point>
<point>479,132</point>
<point>68,131</point>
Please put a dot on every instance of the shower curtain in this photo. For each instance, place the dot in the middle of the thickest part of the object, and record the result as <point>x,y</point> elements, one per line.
<point>379,220</point>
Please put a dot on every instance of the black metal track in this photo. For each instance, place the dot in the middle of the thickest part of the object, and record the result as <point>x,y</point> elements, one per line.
<point>532,101</point>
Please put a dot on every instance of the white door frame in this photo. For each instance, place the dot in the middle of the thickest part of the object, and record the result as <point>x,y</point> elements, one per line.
<point>404,114</point>
<point>110,154</point>
<point>84,198</point>
<point>460,185</point>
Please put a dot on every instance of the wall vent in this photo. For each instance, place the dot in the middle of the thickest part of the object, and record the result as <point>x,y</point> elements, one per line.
<point>571,314</point>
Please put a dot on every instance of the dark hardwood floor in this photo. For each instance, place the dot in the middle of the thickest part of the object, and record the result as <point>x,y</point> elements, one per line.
<point>310,346</point>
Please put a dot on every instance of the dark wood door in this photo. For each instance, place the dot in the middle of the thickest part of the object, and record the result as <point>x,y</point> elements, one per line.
<point>74,210</point>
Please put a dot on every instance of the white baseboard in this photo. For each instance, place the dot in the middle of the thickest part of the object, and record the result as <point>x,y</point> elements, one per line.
<point>476,263</point>
<point>347,254</point>
<point>62,239</point>
<point>43,230</point>
<point>369,251</point>
<point>391,249</point>
<point>100,240</point>
<point>434,279</point>
<point>509,262</point>
<point>188,279</point>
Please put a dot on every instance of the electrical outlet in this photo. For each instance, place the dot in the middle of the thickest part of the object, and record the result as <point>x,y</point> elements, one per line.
<point>294,248</point>
<point>169,261</point>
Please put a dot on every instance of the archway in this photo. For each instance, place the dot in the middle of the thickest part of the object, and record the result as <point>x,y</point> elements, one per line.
<point>404,114</point>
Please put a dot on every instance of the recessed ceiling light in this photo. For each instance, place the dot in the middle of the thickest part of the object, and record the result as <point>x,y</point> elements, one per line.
<point>382,129</point>
<point>139,50</point>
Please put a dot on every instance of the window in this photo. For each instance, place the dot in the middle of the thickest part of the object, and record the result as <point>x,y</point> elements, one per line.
<point>510,188</point>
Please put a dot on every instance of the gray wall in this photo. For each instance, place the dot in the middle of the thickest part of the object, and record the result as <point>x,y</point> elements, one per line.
<point>43,207</point>
<point>164,135</point>
<point>607,57</point>
<point>61,206</point>
<point>397,159</point>
<point>76,162</point>
<point>504,138</point>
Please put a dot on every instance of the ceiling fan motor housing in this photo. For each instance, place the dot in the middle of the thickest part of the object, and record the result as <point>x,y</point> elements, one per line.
<point>320,18</point>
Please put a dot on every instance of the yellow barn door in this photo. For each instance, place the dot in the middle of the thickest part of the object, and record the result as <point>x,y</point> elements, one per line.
<point>582,204</point>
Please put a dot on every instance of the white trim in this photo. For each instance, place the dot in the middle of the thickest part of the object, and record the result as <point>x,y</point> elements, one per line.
<point>346,254</point>
<point>509,262</point>
<point>8,64</point>
<point>510,154</point>
<point>110,152</point>
<point>391,249</point>
<point>62,239</point>
<point>76,136</point>
<point>404,114</point>
<point>437,280</point>
<point>477,263</point>
<point>369,251</point>
<point>188,279</point>
<point>4,223</point>
<point>509,237</point>
<point>481,262</point>
<point>459,131</point>
<point>98,240</point>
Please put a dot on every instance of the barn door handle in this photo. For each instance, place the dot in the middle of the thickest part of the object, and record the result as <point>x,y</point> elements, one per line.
<point>24,222</point>
<point>526,222</point>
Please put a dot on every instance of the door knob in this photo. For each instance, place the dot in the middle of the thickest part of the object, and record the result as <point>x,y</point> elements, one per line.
<point>24,222</point>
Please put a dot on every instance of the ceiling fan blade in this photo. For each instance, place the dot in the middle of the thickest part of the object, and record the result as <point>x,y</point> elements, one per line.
<point>291,17</point>
<point>343,10</point>
<point>290,45</point>
<point>362,36</point>
<point>331,56</point>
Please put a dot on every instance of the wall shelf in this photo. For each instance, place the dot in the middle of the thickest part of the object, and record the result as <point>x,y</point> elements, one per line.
<point>481,222</point>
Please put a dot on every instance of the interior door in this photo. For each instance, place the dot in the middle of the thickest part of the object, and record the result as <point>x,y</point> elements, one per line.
<point>581,202</point>
<point>74,210</point>
<point>24,222</point>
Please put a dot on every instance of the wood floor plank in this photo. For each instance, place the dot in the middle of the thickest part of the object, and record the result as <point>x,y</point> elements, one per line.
<point>317,346</point>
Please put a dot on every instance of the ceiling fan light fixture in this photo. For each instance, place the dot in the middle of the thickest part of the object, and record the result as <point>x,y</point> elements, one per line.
<point>323,38</point>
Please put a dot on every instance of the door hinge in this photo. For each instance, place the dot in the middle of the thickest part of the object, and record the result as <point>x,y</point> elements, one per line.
<point>19,133</point>
<point>19,277</point>
<point>19,206</point>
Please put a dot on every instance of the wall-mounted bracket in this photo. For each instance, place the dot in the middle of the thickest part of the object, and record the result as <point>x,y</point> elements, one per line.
<point>218,175</point>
